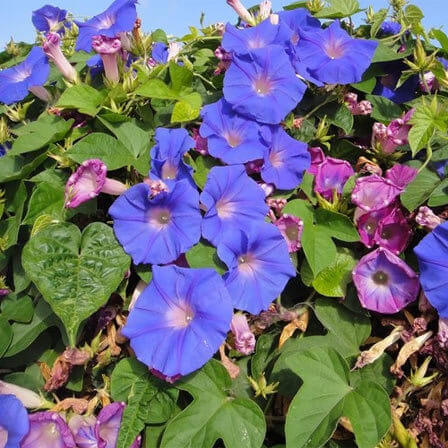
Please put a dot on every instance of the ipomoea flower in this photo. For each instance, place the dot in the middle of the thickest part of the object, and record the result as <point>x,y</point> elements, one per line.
<point>108,48</point>
<point>49,18</point>
<point>259,266</point>
<point>52,48</point>
<point>385,283</point>
<point>297,20</point>
<point>180,319</point>
<point>291,227</point>
<point>332,174</point>
<point>233,201</point>
<point>15,82</point>
<point>230,137</point>
<point>244,338</point>
<point>157,230</point>
<point>14,423</point>
<point>28,398</point>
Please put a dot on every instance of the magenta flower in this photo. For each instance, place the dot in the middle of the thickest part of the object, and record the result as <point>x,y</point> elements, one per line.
<point>200,143</point>
<point>52,49</point>
<point>48,429</point>
<point>107,48</point>
<point>427,218</point>
<point>374,192</point>
<point>384,282</point>
<point>379,138</point>
<point>88,181</point>
<point>244,338</point>
<point>332,174</point>
<point>368,223</point>
<point>317,157</point>
<point>398,129</point>
<point>355,107</point>
<point>291,228</point>
<point>393,232</point>
<point>401,175</point>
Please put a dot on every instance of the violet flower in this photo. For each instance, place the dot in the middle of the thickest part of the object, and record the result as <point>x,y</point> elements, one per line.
<point>262,85</point>
<point>369,222</point>
<point>401,175</point>
<point>384,282</point>
<point>15,82</point>
<point>83,430</point>
<point>167,163</point>
<point>332,56</point>
<point>332,174</point>
<point>14,423</point>
<point>432,255</point>
<point>285,160</point>
<point>119,17</point>
<point>157,230</point>
<point>49,18</point>
<point>427,218</point>
<point>393,232</point>
<point>387,85</point>
<point>52,49</point>
<point>159,53</point>
<point>230,137</point>
<point>317,157</point>
<point>180,319</point>
<point>48,429</point>
<point>88,181</point>
<point>259,266</point>
<point>297,20</point>
<point>291,227</point>
<point>232,200</point>
<point>244,338</point>
<point>107,48</point>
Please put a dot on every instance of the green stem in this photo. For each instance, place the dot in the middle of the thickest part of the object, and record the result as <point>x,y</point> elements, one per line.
<point>312,111</point>
<point>428,154</point>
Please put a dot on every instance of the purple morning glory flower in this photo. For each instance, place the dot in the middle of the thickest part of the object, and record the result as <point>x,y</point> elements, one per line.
<point>48,429</point>
<point>332,56</point>
<point>297,20</point>
<point>262,85</point>
<point>259,266</point>
<point>243,40</point>
<point>385,283</point>
<point>393,232</point>
<point>368,223</point>
<point>167,164</point>
<point>332,174</point>
<point>157,230</point>
<point>15,82</point>
<point>244,338</point>
<point>291,227</point>
<point>159,53</point>
<point>432,254</point>
<point>230,137</point>
<point>401,175</point>
<point>390,28</point>
<point>83,430</point>
<point>285,160</point>
<point>49,18</point>
<point>233,201</point>
<point>14,423</point>
<point>180,319</point>
<point>118,18</point>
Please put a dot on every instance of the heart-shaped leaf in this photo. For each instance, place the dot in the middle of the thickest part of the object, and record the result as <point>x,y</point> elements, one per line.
<point>75,273</point>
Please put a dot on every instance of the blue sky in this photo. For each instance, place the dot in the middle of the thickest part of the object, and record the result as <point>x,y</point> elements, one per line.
<point>173,16</point>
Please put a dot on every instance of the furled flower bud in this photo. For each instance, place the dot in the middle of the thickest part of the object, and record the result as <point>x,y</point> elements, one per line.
<point>442,335</point>
<point>265,10</point>
<point>141,285</point>
<point>107,48</point>
<point>429,82</point>
<point>244,338</point>
<point>52,49</point>
<point>88,181</point>
<point>174,48</point>
<point>41,92</point>
<point>242,12</point>
<point>28,398</point>
<point>427,218</point>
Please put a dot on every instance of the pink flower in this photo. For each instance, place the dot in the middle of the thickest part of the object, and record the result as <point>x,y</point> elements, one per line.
<point>242,12</point>
<point>317,157</point>
<point>244,338</point>
<point>384,282</point>
<point>368,223</point>
<point>107,48</point>
<point>276,204</point>
<point>374,192</point>
<point>332,174</point>
<point>291,227</point>
<point>429,82</point>
<point>156,186</point>
<point>362,108</point>
<point>401,175</point>
<point>442,335</point>
<point>52,49</point>
<point>427,218</point>
<point>265,10</point>
<point>393,232</point>
<point>88,181</point>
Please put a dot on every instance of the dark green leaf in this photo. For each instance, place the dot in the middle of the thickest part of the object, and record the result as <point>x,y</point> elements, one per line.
<point>339,115</point>
<point>420,189</point>
<point>202,255</point>
<point>6,334</point>
<point>17,167</point>
<point>320,251</point>
<point>337,225</point>
<point>384,110</point>
<point>47,199</point>
<point>82,97</point>
<point>439,196</point>
<point>17,309</point>
<point>378,372</point>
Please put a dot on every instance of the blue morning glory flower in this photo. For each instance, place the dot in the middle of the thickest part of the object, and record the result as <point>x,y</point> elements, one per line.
<point>180,320</point>
<point>49,18</point>
<point>242,40</point>
<point>16,81</point>
<point>390,28</point>
<point>332,56</point>
<point>14,423</point>
<point>259,266</point>
<point>4,148</point>
<point>233,201</point>
<point>441,167</point>
<point>231,138</point>
<point>157,229</point>
<point>286,159</point>
<point>432,255</point>
<point>386,86</point>
<point>118,18</point>
<point>262,85</point>
<point>297,20</point>
<point>159,53</point>
<point>167,164</point>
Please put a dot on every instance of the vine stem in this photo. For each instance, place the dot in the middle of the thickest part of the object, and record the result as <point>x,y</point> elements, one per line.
<point>312,111</point>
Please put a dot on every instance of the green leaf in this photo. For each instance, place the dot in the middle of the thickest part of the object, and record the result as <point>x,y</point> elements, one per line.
<point>333,280</point>
<point>385,53</point>
<point>338,115</point>
<point>156,88</point>
<point>420,189</point>
<point>9,228</point>
<point>337,225</point>
<point>440,195</point>
<point>17,309</point>
<point>383,109</point>
<point>202,255</point>
<point>25,334</point>
<point>326,395</point>
<point>82,97</point>
<point>75,273</point>
<point>441,37</point>
<point>378,19</point>
<point>17,167</point>
<point>301,209</point>
<point>339,9</point>
<point>413,14</point>
<point>378,372</point>
<point>213,414</point>
<point>307,187</point>
<point>180,76</point>
<point>202,167</point>
<point>101,146</point>
<point>5,335</point>
<point>320,251</point>
<point>265,351</point>
<point>187,109</point>
<point>47,199</point>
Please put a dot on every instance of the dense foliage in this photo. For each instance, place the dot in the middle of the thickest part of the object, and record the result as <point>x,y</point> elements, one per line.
<point>232,239</point>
